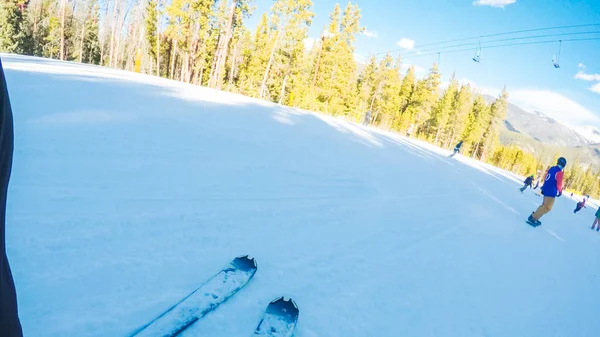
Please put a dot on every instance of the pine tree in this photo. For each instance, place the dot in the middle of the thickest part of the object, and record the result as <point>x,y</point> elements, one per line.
<point>437,124</point>
<point>52,38</point>
<point>15,35</point>
<point>367,86</point>
<point>291,19</point>
<point>90,44</point>
<point>322,85</point>
<point>459,114</point>
<point>497,115</point>
<point>239,42</point>
<point>386,99</point>
<point>345,101</point>
<point>401,118</point>
<point>423,99</point>
<point>38,18</point>
<point>152,29</point>
<point>477,121</point>
<point>251,74</point>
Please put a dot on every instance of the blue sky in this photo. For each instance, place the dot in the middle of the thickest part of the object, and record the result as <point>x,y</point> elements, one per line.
<point>526,70</point>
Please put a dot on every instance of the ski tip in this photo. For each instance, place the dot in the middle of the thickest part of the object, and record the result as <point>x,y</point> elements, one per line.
<point>245,263</point>
<point>285,308</point>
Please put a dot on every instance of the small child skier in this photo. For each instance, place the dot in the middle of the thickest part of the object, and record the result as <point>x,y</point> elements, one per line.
<point>528,182</point>
<point>552,188</point>
<point>457,148</point>
<point>597,221</point>
<point>580,205</point>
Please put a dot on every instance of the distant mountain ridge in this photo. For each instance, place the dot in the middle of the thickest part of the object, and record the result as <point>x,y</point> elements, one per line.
<point>538,133</point>
<point>542,128</point>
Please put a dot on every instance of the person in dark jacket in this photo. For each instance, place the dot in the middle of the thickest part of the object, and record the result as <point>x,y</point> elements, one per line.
<point>579,206</point>
<point>528,182</point>
<point>552,188</point>
<point>10,326</point>
<point>457,148</point>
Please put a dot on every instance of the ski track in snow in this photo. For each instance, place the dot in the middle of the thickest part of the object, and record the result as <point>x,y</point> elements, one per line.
<point>129,191</point>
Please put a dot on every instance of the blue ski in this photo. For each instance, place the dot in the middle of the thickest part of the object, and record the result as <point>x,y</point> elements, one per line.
<point>279,319</point>
<point>201,301</point>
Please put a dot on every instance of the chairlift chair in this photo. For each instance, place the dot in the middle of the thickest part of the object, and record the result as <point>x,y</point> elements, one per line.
<point>477,57</point>
<point>556,58</point>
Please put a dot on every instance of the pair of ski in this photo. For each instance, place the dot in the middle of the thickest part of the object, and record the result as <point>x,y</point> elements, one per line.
<point>278,320</point>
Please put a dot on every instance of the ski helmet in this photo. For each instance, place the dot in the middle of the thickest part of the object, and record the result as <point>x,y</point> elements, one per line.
<point>562,162</point>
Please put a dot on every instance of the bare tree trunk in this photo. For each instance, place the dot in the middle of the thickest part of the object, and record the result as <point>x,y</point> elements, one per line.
<point>36,18</point>
<point>138,49</point>
<point>62,30</point>
<point>232,70</point>
<point>158,38</point>
<point>185,68</point>
<point>475,151</point>
<point>318,62</point>
<point>118,37</point>
<point>201,76</point>
<point>263,85</point>
<point>173,54</point>
<point>221,54</point>
<point>437,136</point>
<point>181,71</point>
<point>282,95</point>
<point>372,101</point>
<point>103,42</point>
<point>82,39</point>
<point>450,142</point>
<point>113,29</point>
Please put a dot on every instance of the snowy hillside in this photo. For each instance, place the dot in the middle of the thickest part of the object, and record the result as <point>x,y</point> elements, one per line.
<point>128,191</point>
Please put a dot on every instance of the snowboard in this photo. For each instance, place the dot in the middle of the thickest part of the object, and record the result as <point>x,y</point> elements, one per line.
<point>201,301</point>
<point>532,224</point>
<point>279,319</point>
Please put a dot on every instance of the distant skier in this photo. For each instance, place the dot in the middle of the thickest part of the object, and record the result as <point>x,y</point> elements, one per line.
<point>528,182</point>
<point>597,221</point>
<point>552,188</point>
<point>457,149</point>
<point>579,206</point>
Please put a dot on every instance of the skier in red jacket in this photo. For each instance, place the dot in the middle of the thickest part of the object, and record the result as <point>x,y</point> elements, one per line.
<point>553,185</point>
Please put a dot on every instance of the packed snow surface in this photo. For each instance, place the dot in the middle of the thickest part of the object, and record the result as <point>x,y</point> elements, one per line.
<point>129,191</point>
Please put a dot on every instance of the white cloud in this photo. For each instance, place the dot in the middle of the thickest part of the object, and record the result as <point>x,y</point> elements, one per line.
<point>554,105</point>
<point>494,3</point>
<point>309,42</point>
<point>581,65</point>
<point>405,43</point>
<point>587,77</point>
<point>591,78</point>
<point>371,34</point>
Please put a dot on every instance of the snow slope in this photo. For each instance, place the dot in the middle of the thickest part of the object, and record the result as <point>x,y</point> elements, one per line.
<point>128,191</point>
